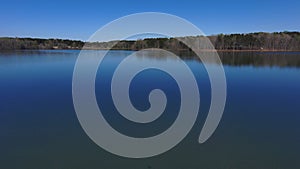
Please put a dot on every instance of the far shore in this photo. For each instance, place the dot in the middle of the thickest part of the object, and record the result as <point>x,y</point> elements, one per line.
<point>162,49</point>
<point>247,42</point>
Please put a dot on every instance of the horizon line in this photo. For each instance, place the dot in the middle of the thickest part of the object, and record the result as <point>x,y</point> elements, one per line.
<point>57,38</point>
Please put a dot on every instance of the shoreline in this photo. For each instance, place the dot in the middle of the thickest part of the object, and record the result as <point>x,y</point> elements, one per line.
<point>159,48</point>
<point>246,42</point>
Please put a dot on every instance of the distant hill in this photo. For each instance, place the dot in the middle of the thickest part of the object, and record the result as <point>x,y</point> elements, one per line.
<point>283,41</point>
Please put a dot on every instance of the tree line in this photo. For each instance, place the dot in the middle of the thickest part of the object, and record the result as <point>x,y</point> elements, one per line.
<point>284,41</point>
<point>36,43</point>
<point>258,41</point>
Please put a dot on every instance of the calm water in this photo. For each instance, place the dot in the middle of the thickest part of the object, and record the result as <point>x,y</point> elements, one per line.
<point>260,127</point>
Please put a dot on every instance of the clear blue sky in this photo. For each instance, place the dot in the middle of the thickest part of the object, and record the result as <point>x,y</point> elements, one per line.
<point>80,19</point>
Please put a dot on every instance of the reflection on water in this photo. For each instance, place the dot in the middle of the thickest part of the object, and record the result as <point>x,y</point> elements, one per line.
<point>259,129</point>
<point>281,59</point>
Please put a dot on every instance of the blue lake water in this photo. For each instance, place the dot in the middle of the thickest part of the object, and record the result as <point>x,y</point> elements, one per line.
<point>260,127</point>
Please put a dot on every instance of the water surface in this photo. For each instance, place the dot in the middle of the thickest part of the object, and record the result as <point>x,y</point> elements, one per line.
<point>260,127</point>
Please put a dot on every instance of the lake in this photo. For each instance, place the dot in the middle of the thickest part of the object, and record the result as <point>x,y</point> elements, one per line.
<point>260,127</point>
